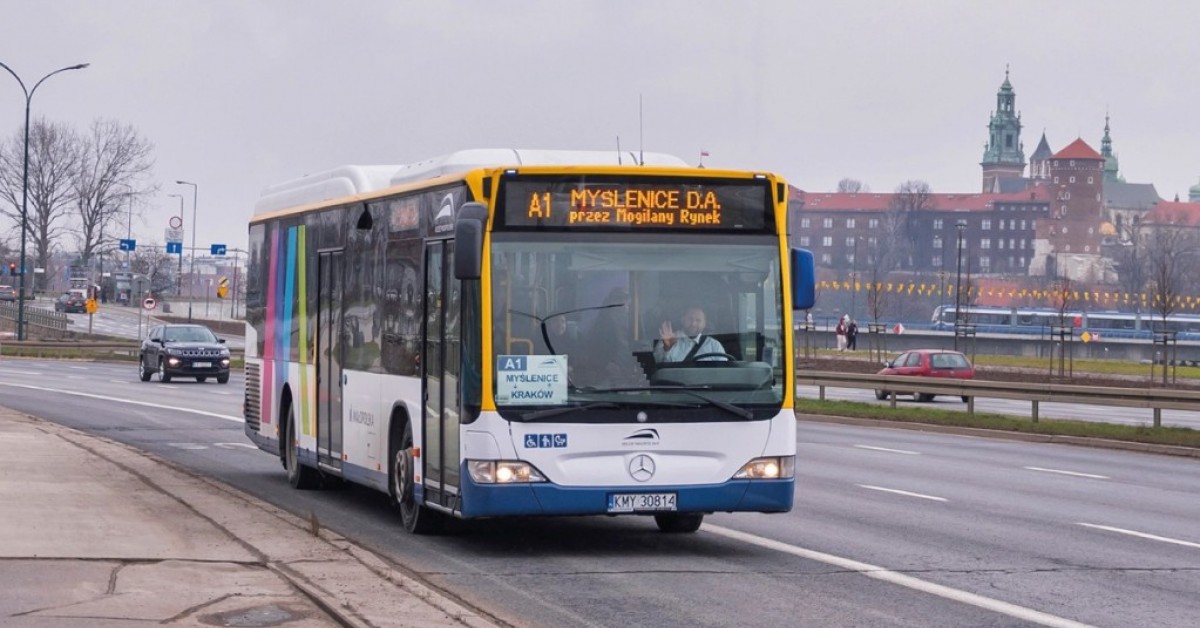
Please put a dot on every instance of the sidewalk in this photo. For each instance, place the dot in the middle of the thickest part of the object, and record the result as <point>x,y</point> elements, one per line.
<point>96,533</point>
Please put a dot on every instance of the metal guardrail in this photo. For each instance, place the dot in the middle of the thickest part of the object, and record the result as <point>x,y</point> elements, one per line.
<point>1156,399</point>
<point>128,347</point>
<point>35,316</point>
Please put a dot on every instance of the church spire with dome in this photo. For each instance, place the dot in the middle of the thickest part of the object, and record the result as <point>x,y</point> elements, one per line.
<point>1003,154</point>
<point>1111,168</point>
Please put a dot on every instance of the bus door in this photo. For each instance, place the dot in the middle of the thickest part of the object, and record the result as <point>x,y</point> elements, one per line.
<point>329,358</point>
<point>441,360</point>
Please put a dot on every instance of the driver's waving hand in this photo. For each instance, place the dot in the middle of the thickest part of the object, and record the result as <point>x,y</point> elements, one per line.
<point>689,343</point>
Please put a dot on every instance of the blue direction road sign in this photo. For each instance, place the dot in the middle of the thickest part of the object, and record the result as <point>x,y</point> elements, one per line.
<point>218,249</point>
<point>175,247</point>
<point>128,245</point>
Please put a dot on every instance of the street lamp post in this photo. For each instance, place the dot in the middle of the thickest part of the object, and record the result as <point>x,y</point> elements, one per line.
<point>192,268</point>
<point>129,262</point>
<point>25,186</point>
<point>961,225</point>
<point>179,275</point>
<point>191,271</point>
<point>854,277</point>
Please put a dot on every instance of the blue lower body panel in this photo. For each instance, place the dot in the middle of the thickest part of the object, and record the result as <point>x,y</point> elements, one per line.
<point>545,498</point>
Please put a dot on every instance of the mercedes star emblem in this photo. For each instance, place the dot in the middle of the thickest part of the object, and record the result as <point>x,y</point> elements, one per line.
<point>641,467</point>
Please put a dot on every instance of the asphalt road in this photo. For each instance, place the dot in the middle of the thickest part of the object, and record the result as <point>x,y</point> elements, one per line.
<point>891,527</point>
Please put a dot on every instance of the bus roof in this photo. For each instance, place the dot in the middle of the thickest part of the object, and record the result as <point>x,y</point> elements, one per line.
<point>352,180</point>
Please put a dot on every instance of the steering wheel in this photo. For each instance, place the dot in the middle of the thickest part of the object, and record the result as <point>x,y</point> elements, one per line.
<point>725,356</point>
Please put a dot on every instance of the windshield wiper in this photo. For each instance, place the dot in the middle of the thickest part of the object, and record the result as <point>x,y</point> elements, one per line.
<point>687,390</point>
<point>550,412</point>
<point>724,405</point>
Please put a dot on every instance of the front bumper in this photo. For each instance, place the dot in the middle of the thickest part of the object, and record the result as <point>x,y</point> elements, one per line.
<point>547,498</point>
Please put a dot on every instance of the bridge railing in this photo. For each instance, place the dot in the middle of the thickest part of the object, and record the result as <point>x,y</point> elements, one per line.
<point>1155,399</point>
<point>34,317</point>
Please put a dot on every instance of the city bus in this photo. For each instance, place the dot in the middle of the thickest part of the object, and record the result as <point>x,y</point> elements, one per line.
<point>475,336</point>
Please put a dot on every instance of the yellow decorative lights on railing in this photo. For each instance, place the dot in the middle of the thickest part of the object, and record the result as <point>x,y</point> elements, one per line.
<point>1096,297</point>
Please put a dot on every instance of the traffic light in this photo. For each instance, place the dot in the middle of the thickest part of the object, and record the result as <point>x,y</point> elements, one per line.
<point>12,268</point>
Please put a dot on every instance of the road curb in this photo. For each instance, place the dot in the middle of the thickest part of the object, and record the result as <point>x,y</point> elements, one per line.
<point>354,585</point>
<point>1078,441</point>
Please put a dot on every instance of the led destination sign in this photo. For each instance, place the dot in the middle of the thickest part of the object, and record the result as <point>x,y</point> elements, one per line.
<point>693,204</point>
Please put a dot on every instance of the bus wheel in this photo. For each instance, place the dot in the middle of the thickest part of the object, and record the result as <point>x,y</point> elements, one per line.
<point>679,523</point>
<point>416,518</point>
<point>298,475</point>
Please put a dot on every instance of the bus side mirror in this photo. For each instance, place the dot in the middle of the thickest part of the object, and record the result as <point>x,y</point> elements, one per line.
<point>804,280</point>
<point>468,241</point>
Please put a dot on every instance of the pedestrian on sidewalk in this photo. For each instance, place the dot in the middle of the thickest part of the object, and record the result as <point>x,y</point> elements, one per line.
<point>841,329</point>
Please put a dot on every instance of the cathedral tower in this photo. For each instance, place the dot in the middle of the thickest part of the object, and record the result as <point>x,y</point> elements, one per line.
<point>1003,155</point>
<point>1111,167</point>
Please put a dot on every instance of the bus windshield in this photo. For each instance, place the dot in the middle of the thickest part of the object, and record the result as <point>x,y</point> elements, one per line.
<point>685,330</point>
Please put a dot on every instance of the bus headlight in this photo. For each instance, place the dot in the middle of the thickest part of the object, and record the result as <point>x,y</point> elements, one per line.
<point>503,472</point>
<point>767,468</point>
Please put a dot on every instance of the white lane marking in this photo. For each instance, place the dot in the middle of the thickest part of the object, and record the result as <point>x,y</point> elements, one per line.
<point>1152,537</point>
<point>188,446</point>
<point>235,446</point>
<point>24,372</point>
<point>1071,473</point>
<point>147,404</point>
<point>900,492</point>
<point>893,451</point>
<point>78,368</point>
<point>892,577</point>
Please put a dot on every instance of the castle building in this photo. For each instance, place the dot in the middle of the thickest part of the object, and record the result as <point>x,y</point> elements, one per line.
<point>1062,221</point>
<point>1067,243</point>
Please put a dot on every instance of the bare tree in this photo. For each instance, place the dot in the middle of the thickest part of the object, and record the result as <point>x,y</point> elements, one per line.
<point>851,186</point>
<point>1062,298</point>
<point>114,167</point>
<point>53,159</point>
<point>152,261</point>
<point>1130,261</point>
<point>1169,255</point>
<point>911,199</point>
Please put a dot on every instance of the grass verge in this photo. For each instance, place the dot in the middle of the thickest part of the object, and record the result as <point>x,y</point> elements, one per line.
<point>1177,436</point>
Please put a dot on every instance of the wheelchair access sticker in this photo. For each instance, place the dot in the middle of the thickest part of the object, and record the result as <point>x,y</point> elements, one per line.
<point>531,379</point>
<point>545,441</point>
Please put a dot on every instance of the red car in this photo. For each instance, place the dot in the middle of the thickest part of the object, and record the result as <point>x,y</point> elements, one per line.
<point>928,363</point>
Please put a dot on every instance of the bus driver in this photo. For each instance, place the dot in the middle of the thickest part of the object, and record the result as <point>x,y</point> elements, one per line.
<point>686,344</point>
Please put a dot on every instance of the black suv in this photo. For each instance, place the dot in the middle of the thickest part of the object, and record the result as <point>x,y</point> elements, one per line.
<point>184,351</point>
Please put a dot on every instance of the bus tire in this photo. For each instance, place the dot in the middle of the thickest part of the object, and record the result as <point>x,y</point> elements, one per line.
<point>299,476</point>
<point>415,518</point>
<point>679,523</point>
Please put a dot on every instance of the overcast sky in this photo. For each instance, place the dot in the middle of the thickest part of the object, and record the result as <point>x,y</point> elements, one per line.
<point>239,95</point>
